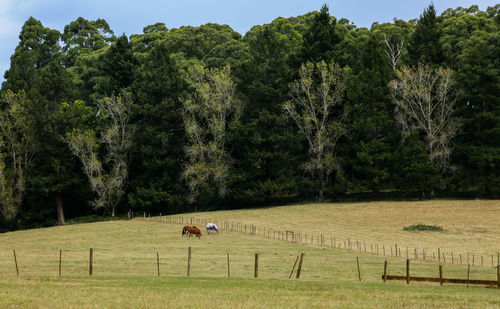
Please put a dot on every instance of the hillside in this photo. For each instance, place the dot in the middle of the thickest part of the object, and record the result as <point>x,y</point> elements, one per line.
<point>125,269</point>
<point>469,225</point>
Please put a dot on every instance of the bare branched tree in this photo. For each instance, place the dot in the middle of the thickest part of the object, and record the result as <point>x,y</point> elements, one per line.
<point>107,178</point>
<point>425,100</point>
<point>207,114</point>
<point>394,52</point>
<point>315,95</point>
<point>16,152</point>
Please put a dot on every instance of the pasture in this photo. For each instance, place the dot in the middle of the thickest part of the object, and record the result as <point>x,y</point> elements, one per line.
<point>469,225</point>
<point>125,265</point>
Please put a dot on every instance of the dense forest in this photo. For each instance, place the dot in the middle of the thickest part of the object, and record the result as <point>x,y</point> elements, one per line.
<point>202,118</point>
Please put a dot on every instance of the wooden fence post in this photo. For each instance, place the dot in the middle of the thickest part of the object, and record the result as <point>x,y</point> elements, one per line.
<point>60,261</point>
<point>15,262</point>
<point>189,262</point>
<point>468,274</point>
<point>385,271</point>
<point>91,261</point>
<point>256,268</point>
<point>407,271</point>
<point>359,273</point>
<point>498,276</point>
<point>158,263</point>
<point>441,275</point>
<point>299,269</point>
<point>293,268</point>
<point>228,272</point>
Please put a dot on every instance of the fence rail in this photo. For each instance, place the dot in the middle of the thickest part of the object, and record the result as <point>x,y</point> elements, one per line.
<point>443,280</point>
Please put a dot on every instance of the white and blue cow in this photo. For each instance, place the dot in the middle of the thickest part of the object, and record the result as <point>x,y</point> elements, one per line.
<point>212,227</point>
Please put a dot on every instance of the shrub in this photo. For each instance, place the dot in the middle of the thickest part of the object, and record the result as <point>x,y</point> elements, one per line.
<point>92,218</point>
<point>423,227</point>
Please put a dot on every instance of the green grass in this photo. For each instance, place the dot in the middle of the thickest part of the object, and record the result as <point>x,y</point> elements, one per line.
<point>168,292</point>
<point>125,271</point>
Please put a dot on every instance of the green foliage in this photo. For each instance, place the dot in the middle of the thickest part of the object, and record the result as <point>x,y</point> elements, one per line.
<point>321,38</point>
<point>208,113</point>
<point>106,176</point>
<point>158,151</point>
<point>92,218</point>
<point>116,67</point>
<point>83,36</point>
<point>413,171</point>
<point>37,48</point>
<point>317,109</point>
<point>424,44</point>
<point>423,227</point>
<point>63,76</point>
<point>367,152</point>
<point>16,151</point>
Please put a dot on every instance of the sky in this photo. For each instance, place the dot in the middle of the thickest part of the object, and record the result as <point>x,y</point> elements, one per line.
<point>130,17</point>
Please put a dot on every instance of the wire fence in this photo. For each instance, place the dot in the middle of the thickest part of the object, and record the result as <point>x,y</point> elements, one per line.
<point>322,240</point>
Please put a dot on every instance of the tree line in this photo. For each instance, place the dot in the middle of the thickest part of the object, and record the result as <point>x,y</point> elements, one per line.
<point>202,118</point>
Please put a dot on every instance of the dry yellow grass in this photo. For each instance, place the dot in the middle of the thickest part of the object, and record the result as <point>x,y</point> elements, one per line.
<point>470,226</point>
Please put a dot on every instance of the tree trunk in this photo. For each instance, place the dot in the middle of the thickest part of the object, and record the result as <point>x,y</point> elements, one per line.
<point>60,209</point>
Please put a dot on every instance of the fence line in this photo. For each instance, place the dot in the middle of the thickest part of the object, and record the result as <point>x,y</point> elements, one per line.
<point>321,240</point>
<point>441,279</point>
<point>92,253</point>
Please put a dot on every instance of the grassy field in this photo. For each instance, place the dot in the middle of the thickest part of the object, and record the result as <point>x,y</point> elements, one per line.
<point>125,269</point>
<point>469,225</point>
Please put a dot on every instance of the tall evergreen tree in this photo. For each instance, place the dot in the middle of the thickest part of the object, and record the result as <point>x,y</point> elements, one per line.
<point>266,147</point>
<point>37,48</point>
<point>83,36</point>
<point>158,152</point>
<point>369,143</point>
<point>321,38</point>
<point>117,67</point>
<point>36,67</point>
<point>424,45</point>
